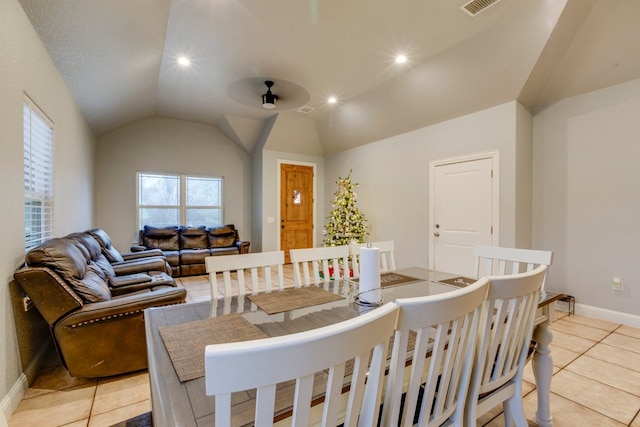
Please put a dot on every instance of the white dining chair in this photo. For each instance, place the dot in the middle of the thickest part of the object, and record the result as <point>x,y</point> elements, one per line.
<point>261,266</point>
<point>317,265</point>
<point>504,339</point>
<point>262,364</point>
<point>387,256</point>
<point>447,328</point>
<point>498,261</point>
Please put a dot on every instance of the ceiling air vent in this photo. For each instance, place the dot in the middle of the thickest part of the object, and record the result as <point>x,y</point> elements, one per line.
<point>305,109</point>
<point>474,7</point>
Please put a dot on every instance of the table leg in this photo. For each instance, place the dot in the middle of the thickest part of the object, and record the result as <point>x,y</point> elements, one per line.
<point>543,370</point>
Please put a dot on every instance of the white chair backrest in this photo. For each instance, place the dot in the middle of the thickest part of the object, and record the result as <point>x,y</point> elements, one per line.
<point>261,364</point>
<point>309,263</point>
<point>450,320</point>
<point>387,257</point>
<point>498,261</point>
<point>505,332</point>
<point>268,262</point>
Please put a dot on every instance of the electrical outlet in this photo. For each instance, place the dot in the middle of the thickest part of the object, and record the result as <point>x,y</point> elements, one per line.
<point>27,303</point>
<point>617,283</point>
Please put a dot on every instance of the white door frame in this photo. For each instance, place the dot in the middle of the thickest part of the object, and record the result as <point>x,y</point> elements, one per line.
<point>495,209</point>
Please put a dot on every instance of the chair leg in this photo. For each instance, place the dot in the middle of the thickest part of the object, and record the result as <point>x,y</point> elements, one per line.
<point>514,411</point>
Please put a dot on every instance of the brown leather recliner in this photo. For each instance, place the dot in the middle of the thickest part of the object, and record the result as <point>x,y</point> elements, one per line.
<point>96,332</point>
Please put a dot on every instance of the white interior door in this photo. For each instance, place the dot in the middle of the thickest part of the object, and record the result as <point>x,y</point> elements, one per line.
<point>463,212</point>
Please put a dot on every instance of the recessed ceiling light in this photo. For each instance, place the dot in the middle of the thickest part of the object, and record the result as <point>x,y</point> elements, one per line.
<point>184,61</point>
<point>401,59</point>
<point>332,100</point>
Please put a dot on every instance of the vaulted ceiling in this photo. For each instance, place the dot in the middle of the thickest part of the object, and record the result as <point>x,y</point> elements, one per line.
<point>119,59</point>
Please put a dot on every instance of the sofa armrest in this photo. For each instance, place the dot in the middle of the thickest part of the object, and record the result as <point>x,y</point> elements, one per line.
<point>138,252</point>
<point>126,305</point>
<point>141,265</point>
<point>243,246</point>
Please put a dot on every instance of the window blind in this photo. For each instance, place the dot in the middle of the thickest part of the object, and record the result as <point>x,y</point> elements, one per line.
<point>38,175</point>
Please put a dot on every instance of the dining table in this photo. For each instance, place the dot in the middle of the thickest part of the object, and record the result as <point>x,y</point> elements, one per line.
<point>176,336</point>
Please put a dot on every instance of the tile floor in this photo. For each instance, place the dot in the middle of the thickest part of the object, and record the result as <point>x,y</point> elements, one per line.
<point>596,381</point>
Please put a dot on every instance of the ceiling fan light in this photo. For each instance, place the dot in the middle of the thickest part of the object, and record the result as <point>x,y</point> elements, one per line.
<point>269,99</point>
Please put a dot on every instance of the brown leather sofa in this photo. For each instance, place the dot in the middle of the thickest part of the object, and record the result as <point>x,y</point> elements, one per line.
<point>128,263</point>
<point>95,316</point>
<point>186,247</point>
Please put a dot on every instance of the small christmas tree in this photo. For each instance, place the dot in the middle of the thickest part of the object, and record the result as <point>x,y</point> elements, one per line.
<point>346,224</point>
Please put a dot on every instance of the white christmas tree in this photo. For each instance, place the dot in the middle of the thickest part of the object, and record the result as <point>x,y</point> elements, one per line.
<point>345,224</point>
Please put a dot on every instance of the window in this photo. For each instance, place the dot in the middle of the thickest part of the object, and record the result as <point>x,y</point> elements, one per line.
<point>38,175</point>
<point>179,200</point>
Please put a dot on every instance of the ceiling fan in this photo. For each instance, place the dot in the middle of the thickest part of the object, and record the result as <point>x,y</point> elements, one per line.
<point>269,99</point>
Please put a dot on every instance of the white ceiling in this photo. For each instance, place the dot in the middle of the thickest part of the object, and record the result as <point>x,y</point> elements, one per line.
<point>118,58</point>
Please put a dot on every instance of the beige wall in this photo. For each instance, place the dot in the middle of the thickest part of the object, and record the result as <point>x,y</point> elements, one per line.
<point>393,177</point>
<point>586,201</point>
<point>171,146</point>
<point>26,67</point>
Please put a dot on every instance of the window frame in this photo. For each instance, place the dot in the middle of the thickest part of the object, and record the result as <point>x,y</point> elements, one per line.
<point>182,206</point>
<point>38,173</point>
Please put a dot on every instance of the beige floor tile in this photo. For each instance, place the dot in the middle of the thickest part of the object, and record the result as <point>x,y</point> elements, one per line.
<point>571,342</point>
<point>606,400</point>
<point>624,342</point>
<point>578,329</point>
<point>617,356</point>
<point>54,409</point>
<point>636,421</point>
<point>115,393</point>
<point>615,376</point>
<point>628,331</point>
<point>595,323</point>
<point>110,418</point>
<point>566,413</point>
<point>56,378</point>
<point>561,356</point>
<point>81,423</point>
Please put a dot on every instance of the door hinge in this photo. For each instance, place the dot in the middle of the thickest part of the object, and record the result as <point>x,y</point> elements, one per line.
<point>491,173</point>
<point>492,229</point>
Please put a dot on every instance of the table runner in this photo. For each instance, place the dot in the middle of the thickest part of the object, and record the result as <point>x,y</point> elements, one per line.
<point>293,299</point>
<point>186,342</point>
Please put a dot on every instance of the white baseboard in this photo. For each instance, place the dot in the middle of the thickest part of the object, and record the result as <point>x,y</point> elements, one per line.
<point>19,389</point>
<point>602,314</point>
<point>11,400</point>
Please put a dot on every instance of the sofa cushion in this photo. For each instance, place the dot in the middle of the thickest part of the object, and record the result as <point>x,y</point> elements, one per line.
<point>65,257</point>
<point>231,250</point>
<point>220,237</point>
<point>193,237</point>
<point>90,246</point>
<point>92,287</point>
<point>104,240</point>
<point>193,256</point>
<point>165,238</point>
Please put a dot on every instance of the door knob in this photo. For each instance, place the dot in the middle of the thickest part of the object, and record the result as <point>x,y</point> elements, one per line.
<point>436,234</point>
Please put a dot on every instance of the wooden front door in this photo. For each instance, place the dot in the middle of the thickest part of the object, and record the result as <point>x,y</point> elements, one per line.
<point>296,208</point>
